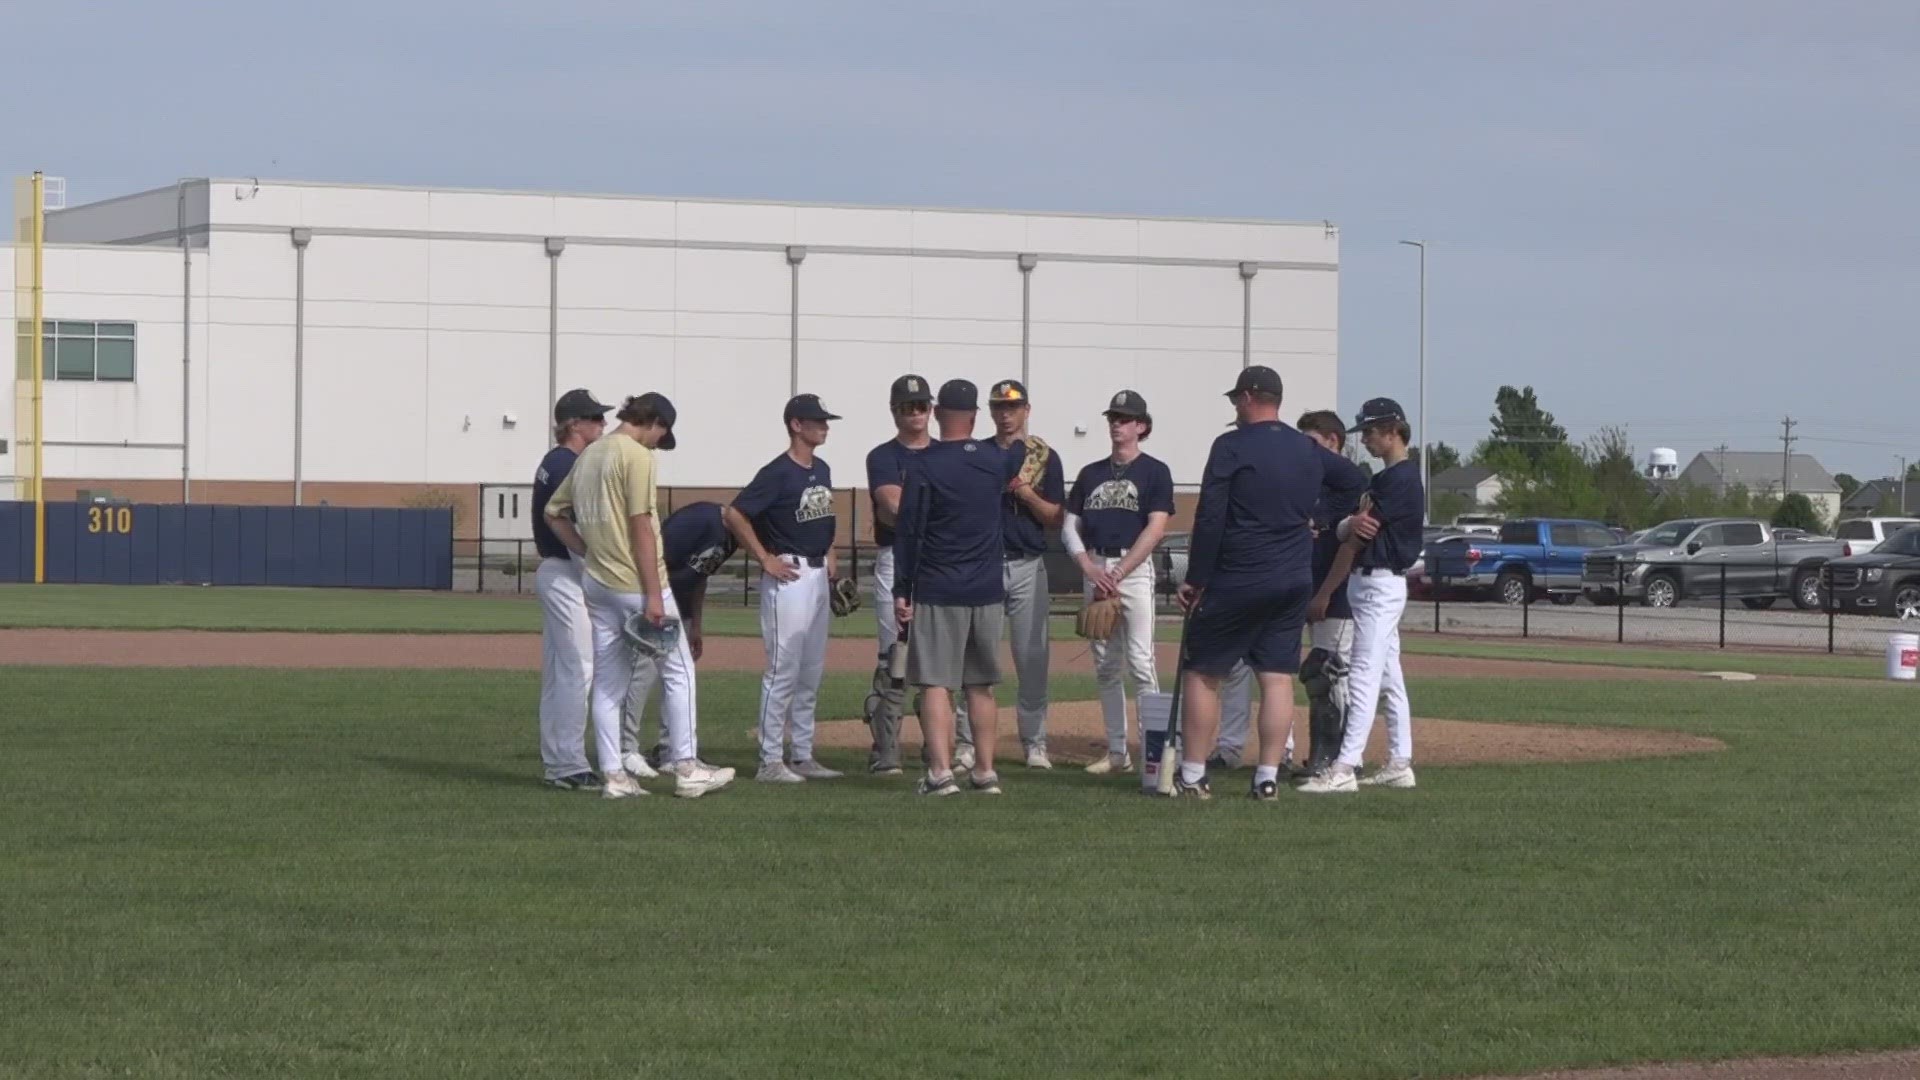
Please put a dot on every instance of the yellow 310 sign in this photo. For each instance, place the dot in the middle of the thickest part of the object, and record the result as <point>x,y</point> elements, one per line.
<point>109,519</point>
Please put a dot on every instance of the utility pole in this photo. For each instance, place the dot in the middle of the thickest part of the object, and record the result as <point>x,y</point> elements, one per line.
<point>1426,487</point>
<point>1787,438</point>
<point>1722,451</point>
<point>1903,483</point>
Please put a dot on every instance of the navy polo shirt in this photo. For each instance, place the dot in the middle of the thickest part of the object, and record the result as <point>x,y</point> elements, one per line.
<point>948,548</point>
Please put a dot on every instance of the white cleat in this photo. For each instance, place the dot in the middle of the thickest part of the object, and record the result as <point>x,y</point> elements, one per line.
<point>813,770</point>
<point>963,758</point>
<point>637,765</point>
<point>1337,780</point>
<point>1112,763</point>
<point>621,785</point>
<point>778,773</point>
<point>1037,758</point>
<point>1397,773</point>
<point>691,779</point>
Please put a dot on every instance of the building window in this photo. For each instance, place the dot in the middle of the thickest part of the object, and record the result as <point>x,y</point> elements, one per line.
<point>80,351</point>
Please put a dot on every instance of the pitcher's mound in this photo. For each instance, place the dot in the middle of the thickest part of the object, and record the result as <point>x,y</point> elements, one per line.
<point>1075,735</point>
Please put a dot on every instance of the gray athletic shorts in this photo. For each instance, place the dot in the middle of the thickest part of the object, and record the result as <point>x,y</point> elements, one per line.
<point>954,646</point>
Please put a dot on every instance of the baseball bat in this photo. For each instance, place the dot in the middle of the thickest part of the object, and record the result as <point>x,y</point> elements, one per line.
<point>1169,752</point>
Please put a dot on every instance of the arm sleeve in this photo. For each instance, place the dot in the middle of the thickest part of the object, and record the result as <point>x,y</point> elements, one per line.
<point>1210,518</point>
<point>1070,534</point>
<point>1160,499</point>
<point>562,499</point>
<point>1053,486</point>
<point>906,533</point>
<point>754,499</point>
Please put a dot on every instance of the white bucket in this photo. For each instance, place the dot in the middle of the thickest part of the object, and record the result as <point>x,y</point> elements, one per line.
<point>1155,710</point>
<point>1903,656</point>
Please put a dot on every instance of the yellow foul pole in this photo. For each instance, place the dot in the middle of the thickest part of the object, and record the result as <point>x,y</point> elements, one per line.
<point>37,354</point>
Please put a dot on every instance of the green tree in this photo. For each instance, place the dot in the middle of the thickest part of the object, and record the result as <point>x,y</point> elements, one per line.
<point>1444,457</point>
<point>1796,511</point>
<point>1450,506</point>
<point>1848,485</point>
<point>1520,423</point>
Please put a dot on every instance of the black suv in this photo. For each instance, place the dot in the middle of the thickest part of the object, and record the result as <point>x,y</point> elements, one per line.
<point>1884,581</point>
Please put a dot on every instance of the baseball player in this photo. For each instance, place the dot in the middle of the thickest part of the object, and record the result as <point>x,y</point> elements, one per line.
<point>566,639</point>
<point>949,582</point>
<point>785,521</point>
<point>1116,515</point>
<point>910,400</point>
<point>1249,576</point>
<point>614,526</point>
<point>1323,673</point>
<point>1380,543</point>
<point>697,544</point>
<point>1029,510</point>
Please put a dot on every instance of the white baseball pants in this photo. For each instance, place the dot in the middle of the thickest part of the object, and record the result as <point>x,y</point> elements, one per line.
<point>1374,678</point>
<point>613,674</point>
<point>566,667</point>
<point>1129,653</point>
<point>1236,694</point>
<point>794,616</point>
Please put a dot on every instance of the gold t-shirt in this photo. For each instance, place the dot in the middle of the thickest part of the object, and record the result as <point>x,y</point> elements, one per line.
<point>612,481</point>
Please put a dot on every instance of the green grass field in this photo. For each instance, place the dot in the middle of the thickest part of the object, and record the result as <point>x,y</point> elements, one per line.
<point>354,875</point>
<point>369,611</point>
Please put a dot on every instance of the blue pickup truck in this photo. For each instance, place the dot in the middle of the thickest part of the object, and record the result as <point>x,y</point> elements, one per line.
<point>1530,558</point>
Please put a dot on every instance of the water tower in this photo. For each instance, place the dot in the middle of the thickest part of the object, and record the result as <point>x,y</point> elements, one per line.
<point>1663,464</point>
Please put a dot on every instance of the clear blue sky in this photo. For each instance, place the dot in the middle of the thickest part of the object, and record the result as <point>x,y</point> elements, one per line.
<point>1686,218</point>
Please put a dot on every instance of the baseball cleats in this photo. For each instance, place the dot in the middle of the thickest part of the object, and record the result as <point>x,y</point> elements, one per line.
<point>776,772</point>
<point>884,768</point>
<point>932,785</point>
<point>1397,773</point>
<point>581,781</point>
<point>622,785</point>
<point>1200,789</point>
<point>638,765</point>
<point>691,779</point>
<point>1112,763</point>
<point>1265,791</point>
<point>963,757</point>
<point>813,770</point>
<point>985,785</point>
<point>1337,779</point>
<point>1037,757</point>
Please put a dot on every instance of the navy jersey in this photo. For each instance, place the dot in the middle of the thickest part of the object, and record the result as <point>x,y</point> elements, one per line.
<point>546,479</point>
<point>1339,496</point>
<point>1257,498</point>
<point>1113,501</point>
<point>886,464</point>
<point>1024,536</point>
<point>791,507</point>
<point>948,547</point>
<point>1399,504</point>
<point>696,539</point>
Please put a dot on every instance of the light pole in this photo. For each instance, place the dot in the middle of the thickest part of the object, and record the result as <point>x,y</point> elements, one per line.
<point>1426,487</point>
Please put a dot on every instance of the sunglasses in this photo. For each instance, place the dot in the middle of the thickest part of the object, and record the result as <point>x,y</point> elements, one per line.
<point>912,408</point>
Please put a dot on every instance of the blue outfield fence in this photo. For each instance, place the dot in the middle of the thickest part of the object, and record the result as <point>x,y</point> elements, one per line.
<point>123,544</point>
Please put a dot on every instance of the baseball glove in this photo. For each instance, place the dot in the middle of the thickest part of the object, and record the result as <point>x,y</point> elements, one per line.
<point>845,598</point>
<point>649,641</point>
<point>1034,468</point>
<point>1099,619</point>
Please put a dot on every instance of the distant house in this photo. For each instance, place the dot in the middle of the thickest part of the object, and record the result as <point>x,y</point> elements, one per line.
<point>1470,481</point>
<point>1866,500</point>
<point>1759,472</point>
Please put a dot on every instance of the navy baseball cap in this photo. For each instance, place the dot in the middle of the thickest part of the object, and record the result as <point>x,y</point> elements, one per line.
<point>1008,392</point>
<point>664,410</point>
<point>1129,404</point>
<point>578,405</point>
<point>909,390</point>
<point>806,407</point>
<point>1378,410</point>
<point>1259,378</point>
<point>959,394</point>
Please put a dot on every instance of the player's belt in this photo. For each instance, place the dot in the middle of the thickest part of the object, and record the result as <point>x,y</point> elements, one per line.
<point>812,561</point>
<point>1380,571</point>
<point>1111,553</point>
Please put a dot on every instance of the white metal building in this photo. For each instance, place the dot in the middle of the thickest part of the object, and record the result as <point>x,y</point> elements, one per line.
<point>393,336</point>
